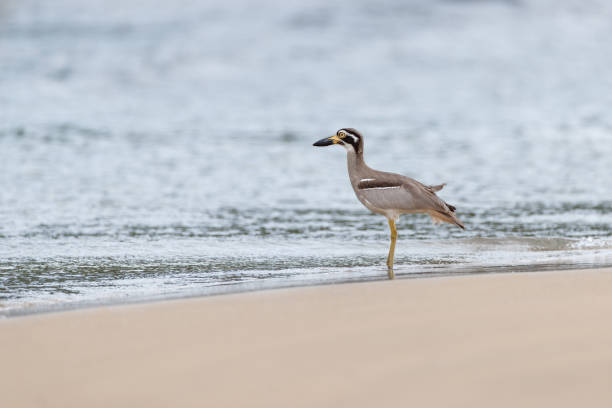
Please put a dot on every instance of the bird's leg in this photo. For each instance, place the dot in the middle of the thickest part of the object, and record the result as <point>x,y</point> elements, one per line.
<point>391,249</point>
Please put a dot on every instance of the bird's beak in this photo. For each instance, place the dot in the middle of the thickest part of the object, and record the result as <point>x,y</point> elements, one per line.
<point>327,141</point>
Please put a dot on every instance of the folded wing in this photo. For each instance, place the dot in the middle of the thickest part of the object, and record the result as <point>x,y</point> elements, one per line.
<point>407,196</point>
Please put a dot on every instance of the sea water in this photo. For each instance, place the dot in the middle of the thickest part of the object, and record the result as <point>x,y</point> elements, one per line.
<point>164,149</point>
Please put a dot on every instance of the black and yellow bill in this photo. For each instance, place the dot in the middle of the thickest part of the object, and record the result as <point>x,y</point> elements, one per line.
<point>328,141</point>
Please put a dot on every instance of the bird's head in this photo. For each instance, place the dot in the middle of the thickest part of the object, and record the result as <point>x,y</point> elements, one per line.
<point>348,138</point>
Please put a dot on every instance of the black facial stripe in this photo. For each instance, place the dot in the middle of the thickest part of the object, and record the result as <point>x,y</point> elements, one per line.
<point>363,185</point>
<point>352,140</point>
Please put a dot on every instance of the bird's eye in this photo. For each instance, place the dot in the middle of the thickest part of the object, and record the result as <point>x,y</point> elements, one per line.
<point>341,134</point>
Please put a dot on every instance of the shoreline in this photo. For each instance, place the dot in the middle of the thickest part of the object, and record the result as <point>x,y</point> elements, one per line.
<point>535,338</point>
<point>263,286</point>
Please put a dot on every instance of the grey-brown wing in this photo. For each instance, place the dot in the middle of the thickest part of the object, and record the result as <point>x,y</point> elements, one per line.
<point>425,196</point>
<point>405,194</point>
<point>387,198</point>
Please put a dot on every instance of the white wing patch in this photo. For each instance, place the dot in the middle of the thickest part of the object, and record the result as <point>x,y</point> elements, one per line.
<point>379,188</point>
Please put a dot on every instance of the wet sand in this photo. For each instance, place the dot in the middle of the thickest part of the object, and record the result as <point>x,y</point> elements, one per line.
<point>507,340</point>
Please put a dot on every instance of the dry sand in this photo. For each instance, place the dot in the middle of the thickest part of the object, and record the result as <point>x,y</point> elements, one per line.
<point>512,340</point>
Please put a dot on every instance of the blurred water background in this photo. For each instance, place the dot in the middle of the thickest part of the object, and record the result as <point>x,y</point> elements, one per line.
<point>161,149</point>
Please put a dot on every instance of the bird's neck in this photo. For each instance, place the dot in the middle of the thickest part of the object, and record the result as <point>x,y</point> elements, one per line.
<point>355,164</point>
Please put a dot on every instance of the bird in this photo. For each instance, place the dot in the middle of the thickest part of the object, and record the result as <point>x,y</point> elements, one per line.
<point>389,194</point>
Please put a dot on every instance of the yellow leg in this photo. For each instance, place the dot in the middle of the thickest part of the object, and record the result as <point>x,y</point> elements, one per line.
<point>391,249</point>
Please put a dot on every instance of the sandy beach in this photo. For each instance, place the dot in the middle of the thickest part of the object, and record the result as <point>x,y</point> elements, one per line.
<point>529,339</point>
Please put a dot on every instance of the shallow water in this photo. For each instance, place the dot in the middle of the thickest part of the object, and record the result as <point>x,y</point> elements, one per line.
<point>152,151</point>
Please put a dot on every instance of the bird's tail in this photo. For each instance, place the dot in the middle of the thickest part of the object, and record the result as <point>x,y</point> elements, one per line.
<point>439,216</point>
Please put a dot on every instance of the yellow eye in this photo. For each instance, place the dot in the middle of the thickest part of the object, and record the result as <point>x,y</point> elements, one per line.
<point>341,134</point>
